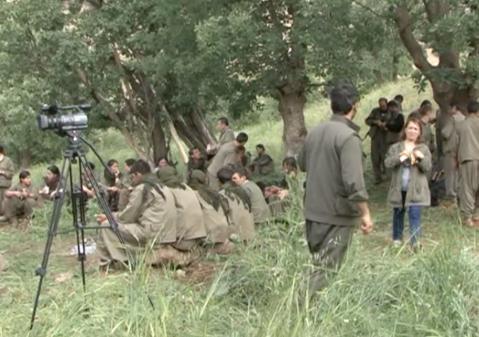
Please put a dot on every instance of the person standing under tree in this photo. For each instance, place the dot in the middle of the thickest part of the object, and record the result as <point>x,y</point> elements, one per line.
<point>378,132</point>
<point>410,162</point>
<point>6,173</point>
<point>336,196</point>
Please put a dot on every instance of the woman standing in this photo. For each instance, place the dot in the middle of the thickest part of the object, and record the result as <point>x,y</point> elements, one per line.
<point>410,162</point>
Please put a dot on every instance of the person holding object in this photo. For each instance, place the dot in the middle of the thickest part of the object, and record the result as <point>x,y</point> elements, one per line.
<point>336,196</point>
<point>410,162</point>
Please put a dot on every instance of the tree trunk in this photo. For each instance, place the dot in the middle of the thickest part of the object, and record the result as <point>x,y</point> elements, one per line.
<point>291,105</point>
<point>158,140</point>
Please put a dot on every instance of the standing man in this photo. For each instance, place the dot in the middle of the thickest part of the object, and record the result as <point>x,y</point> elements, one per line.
<point>394,122</point>
<point>378,132</point>
<point>468,159</point>
<point>449,145</point>
<point>226,155</point>
<point>226,135</point>
<point>336,196</point>
<point>427,116</point>
<point>6,173</point>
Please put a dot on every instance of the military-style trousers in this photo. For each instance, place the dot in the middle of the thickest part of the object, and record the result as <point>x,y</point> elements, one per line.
<point>2,197</point>
<point>469,189</point>
<point>213,181</point>
<point>451,176</point>
<point>378,154</point>
<point>14,207</point>
<point>328,245</point>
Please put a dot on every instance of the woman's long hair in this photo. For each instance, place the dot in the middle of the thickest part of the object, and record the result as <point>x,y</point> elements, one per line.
<point>416,121</point>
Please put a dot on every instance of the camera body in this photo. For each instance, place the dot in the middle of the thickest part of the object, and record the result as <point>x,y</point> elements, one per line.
<point>63,118</point>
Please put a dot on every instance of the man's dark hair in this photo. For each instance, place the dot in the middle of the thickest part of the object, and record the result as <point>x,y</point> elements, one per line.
<point>140,166</point>
<point>111,162</point>
<point>393,104</point>
<point>260,146</point>
<point>242,138</point>
<point>343,97</point>
<point>425,109</point>
<point>160,159</point>
<point>224,174</point>
<point>383,99</point>
<point>224,120</point>
<point>23,174</point>
<point>190,152</point>
<point>2,149</point>
<point>130,162</point>
<point>290,163</point>
<point>242,172</point>
<point>399,98</point>
<point>425,102</point>
<point>473,107</point>
<point>54,169</point>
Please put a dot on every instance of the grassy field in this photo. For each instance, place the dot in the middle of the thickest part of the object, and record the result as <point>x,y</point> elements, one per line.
<point>380,291</point>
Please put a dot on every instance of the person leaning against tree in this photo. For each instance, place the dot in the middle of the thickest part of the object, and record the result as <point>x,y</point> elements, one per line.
<point>336,196</point>
<point>410,162</point>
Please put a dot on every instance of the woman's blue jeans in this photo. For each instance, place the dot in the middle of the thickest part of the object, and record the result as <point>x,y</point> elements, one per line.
<point>414,214</point>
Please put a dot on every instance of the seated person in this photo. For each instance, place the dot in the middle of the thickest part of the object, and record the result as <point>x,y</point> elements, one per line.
<point>149,219</point>
<point>87,177</point>
<point>240,217</point>
<point>20,200</point>
<point>160,163</point>
<point>215,210</point>
<point>263,164</point>
<point>190,226</point>
<point>259,207</point>
<point>112,180</point>
<point>126,187</point>
<point>52,182</point>
<point>196,160</point>
<point>277,196</point>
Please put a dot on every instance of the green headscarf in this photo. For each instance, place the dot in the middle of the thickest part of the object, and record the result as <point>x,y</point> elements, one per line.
<point>168,176</point>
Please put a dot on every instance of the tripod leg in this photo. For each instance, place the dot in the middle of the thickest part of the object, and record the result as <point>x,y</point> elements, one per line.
<point>52,230</point>
<point>78,212</point>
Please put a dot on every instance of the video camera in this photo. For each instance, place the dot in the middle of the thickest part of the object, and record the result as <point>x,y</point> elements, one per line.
<point>63,118</point>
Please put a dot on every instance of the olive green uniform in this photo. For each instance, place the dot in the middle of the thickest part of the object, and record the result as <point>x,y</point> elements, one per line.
<point>148,219</point>
<point>262,165</point>
<point>226,155</point>
<point>427,137</point>
<point>449,136</point>
<point>15,207</point>
<point>379,144</point>
<point>240,217</point>
<point>6,173</point>
<point>332,158</point>
<point>259,207</point>
<point>468,158</point>
<point>226,136</point>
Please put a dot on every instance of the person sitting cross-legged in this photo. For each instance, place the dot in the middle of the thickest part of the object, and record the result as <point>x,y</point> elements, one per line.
<point>20,200</point>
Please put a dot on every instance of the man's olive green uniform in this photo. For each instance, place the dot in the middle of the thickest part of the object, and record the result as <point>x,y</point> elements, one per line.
<point>332,159</point>
<point>148,219</point>
<point>124,192</point>
<point>379,144</point>
<point>226,155</point>
<point>427,137</point>
<point>394,125</point>
<point>259,207</point>
<point>226,136</point>
<point>240,217</point>
<point>7,167</point>
<point>15,207</point>
<point>468,158</point>
<point>262,165</point>
<point>449,136</point>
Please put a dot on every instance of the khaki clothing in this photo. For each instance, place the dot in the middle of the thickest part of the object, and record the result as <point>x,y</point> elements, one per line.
<point>190,223</point>
<point>328,245</point>
<point>469,189</point>
<point>226,136</point>
<point>394,125</point>
<point>259,207</point>
<point>378,141</point>
<point>332,159</point>
<point>468,139</point>
<point>148,219</point>
<point>262,165</point>
<point>6,165</point>
<point>216,222</point>
<point>15,206</point>
<point>427,137</point>
<point>418,193</point>
<point>451,175</point>
<point>241,219</point>
<point>226,155</point>
<point>449,145</point>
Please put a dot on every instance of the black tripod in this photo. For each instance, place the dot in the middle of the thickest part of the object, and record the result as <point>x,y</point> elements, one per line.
<point>74,156</point>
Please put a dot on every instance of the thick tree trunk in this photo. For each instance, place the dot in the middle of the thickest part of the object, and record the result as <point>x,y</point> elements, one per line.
<point>158,140</point>
<point>291,106</point>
